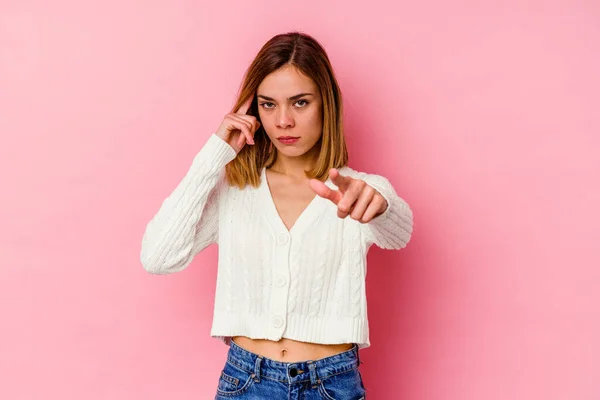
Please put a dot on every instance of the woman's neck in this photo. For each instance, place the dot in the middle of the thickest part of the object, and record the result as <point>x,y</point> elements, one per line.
<point>295,166</point>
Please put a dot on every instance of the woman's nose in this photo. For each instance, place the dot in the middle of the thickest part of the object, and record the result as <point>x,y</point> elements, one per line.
<point>284,119</point>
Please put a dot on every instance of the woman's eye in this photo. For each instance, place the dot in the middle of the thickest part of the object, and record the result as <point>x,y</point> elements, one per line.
<point>268,105</point>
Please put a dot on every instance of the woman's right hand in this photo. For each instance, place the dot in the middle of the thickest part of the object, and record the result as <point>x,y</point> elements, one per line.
<point>237,128</point>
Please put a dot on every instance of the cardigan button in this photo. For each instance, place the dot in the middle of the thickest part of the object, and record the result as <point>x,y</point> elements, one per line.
<point>277,321</point>
<point>282,239</point>
<point>280,280</point>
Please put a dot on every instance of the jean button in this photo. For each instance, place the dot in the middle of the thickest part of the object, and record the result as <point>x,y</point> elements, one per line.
<point>293,372</point>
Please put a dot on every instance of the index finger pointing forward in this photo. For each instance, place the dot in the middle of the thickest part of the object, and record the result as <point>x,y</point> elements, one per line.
<point>325,191</point>
<point>341,181</point>
<point>246,106</point>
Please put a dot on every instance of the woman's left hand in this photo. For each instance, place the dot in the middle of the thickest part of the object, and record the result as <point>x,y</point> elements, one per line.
<point>353,197</point>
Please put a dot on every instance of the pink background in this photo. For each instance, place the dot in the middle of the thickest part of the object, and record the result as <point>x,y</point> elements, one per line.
<point>484,117</point>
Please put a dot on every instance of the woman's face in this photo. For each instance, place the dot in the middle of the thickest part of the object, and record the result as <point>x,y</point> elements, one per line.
<point>289,106</point>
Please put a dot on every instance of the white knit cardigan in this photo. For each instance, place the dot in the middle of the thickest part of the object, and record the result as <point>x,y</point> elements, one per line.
<point>306,283</point>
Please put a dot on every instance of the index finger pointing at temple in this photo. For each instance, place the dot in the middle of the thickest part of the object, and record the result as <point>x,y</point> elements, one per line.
<point>246,106</point>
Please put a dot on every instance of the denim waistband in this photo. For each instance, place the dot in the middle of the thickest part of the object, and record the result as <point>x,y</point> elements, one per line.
<point>292,372</point>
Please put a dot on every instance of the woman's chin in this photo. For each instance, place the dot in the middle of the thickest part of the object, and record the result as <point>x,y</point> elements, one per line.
<point>292,151</point>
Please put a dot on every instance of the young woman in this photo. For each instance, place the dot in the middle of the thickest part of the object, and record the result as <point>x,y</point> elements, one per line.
<point>293,224</point>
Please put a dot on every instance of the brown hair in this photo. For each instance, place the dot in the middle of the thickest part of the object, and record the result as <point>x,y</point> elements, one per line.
<point>308,56</point>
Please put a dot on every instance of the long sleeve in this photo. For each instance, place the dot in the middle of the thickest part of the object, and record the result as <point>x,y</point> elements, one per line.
<point>187,221</point>
<point>393,229</point>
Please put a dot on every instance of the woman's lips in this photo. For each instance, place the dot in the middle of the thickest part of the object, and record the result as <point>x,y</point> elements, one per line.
<point>288,139</point>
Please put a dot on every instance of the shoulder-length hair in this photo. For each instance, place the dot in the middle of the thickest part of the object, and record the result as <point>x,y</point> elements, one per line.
<point>308,56</point>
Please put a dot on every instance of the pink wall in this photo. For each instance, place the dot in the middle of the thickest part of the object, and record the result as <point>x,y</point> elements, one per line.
<point>484,117</point>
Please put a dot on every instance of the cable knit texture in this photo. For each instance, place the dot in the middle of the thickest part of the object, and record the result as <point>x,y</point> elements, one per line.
<point>306,283</point>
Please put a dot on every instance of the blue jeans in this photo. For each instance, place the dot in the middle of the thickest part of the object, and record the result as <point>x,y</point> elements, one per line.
<point>249,376</point>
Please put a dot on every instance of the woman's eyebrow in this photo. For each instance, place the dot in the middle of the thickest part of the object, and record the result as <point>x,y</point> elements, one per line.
<point>295,97</point>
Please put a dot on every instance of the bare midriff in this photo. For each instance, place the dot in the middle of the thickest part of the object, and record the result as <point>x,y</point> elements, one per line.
<point>288,350</point>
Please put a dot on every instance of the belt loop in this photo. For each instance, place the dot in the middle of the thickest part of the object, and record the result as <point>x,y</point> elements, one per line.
<point>256,374</point>
<point>312,367</point>
<point>358,355</point>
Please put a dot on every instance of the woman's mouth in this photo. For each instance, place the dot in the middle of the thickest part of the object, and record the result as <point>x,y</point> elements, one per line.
<point>288,139</point>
